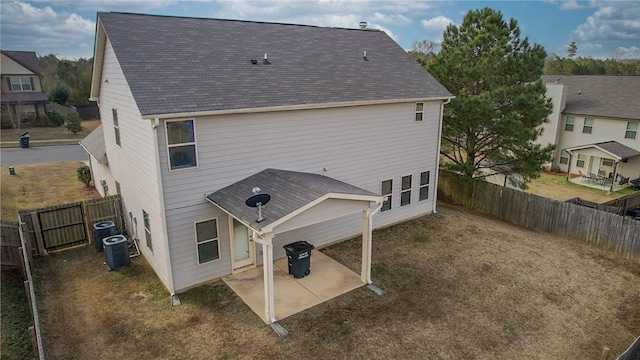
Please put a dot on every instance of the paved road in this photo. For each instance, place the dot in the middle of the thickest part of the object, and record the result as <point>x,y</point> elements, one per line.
<point>42,154</point>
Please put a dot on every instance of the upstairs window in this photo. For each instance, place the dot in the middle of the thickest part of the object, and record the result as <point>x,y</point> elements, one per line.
<point>419,111</point>
<point>588,126</point>
<point>405,195</point>
<point>569,122</point>
<point>632,130</point>
<point>387,189</point>
<point>564,156</point>
<point>116,125</point>
<point>424,185</point>
<point>181,142</point>
<point>20,83</point>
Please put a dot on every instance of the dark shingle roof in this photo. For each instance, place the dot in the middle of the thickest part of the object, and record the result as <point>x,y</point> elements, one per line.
<point>289,190</point>
<point>175,64</point>
<point>25,97</point>
<point>620,150</point>
<point>28,59</point>
<point>94,145</point>
<point>601,95</point>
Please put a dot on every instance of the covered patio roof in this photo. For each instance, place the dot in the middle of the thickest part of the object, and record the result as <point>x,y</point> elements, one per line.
<point>616,150</point>
<point>297,200</point>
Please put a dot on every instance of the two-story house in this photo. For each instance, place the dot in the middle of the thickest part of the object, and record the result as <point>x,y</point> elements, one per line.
<point>21,83</point>
<point>340,127</point>
<point>594,125</point>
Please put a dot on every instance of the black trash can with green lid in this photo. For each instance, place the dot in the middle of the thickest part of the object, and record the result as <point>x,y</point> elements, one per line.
<point>24,140</point>
<point>299,258</point>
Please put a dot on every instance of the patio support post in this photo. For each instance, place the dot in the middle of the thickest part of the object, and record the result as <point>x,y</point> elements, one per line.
<point>365,274</point>
<point>615,175</point>
<point>267,269</point>
<point>569,166</point>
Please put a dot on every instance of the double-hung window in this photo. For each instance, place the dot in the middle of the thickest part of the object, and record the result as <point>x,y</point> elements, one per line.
<point>181,142</point>
<point>207,241</point>
<point>582,160</point>
<point>569,122</point>
<point>564,156</point>
<point>419,111</point>
<point>424,185</point>
<point>387,190</point>
<point>632,130</point>
<point>116,125</point>
<point>588,126</point>
<point>405,194</point>
<point>21,83</point>
<point>147,230</point>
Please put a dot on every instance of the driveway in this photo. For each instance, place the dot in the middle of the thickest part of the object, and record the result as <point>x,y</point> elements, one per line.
<point>42,154</point>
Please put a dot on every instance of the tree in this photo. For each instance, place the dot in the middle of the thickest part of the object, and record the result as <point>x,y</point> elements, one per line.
<point>74,124</point>
<point>60,94</point>
<point>572,49</point>
<point>84,175</point>
<point>500,101</point>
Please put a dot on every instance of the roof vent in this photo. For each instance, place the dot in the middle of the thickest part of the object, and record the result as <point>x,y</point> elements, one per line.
<point>254,62</point>
<point>265,61</point>
<point>363,25</point>
<point>364,56</point>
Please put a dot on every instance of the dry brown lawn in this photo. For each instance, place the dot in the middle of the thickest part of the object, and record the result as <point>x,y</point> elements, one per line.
<point>460,287</point>
<point>40,185</point>
<point>50,133</point>
<point>556,187</point>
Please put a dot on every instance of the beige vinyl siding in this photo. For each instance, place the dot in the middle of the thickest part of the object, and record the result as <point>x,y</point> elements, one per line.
<point>101,172</point>
<point>133,164</point>
<point>359,145</point>
<point>604,129</point>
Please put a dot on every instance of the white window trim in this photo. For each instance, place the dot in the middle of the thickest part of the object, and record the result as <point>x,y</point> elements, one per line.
<point>419,112</point>
<point>583,160</point>
<point>389,195</point>
<point>194,143</point>
<point>147,231</point>
<point>563,151</point>
<point>402,191</point>
<point>573,124</point>
<point>20,78</point>
<point>605,159</point>
<point>420,186</point>
<point>585,126</point>
<point>195,236</point>
<point>116,126</point>
<point>634,131</point>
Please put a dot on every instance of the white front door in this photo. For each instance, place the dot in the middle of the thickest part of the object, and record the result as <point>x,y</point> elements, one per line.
<point>241,245</point>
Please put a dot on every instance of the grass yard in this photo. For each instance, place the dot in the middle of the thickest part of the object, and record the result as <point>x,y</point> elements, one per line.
<point>40,135</point>
<point>40,185</point>
<point>15,317</point>
<point>460,287</point>
<point>557,187</point>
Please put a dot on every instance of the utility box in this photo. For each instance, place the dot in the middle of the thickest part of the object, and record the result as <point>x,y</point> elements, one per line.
<point>103,230</point>
<point>116,251</point>
<point>299,258</point>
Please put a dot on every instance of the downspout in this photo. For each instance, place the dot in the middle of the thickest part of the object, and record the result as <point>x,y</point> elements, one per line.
<point>435,179</point>
<point>165,240</point>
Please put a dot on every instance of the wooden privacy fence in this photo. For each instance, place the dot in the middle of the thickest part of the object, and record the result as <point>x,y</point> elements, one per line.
<point>622,234</point>
<point>63,226</point>
<point>625,203</point>
<point>10,254</point>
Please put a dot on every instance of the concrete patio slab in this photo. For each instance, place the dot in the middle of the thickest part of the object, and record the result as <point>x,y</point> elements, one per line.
<point>328,279</point>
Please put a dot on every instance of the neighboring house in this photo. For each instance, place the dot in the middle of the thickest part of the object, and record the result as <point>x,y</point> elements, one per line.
<point>334,124</point>
<point>22,91</point>
<point>594,124</point>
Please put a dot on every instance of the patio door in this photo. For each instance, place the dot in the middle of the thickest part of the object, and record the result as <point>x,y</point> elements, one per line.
<point>242,249</point>
<point>595,165</point>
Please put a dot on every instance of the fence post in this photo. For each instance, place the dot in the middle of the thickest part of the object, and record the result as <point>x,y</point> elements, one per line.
<point>23,266</point>
<point>605,353</point>
<point>32,334</point>
<point>37,231</point>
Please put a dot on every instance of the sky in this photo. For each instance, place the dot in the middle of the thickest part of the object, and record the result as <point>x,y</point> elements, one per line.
<point>600,29</point>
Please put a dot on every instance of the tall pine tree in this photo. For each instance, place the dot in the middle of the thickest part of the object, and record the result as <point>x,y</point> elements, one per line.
<point>500,102</point>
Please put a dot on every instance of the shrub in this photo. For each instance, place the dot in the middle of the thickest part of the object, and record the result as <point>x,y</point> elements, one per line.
<point>40,121</point>
<point>60,94</point>
<point>84,175</point>
<point>74,124</point>
<point>55,119</point>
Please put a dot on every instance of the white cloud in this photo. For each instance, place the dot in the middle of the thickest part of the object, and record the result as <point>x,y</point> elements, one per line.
<point>616,21</point>
<point>435,27</point>
<point>47,28</point>
<point>621,52</point>
<point>571,5</point>
<point>395,19</point>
